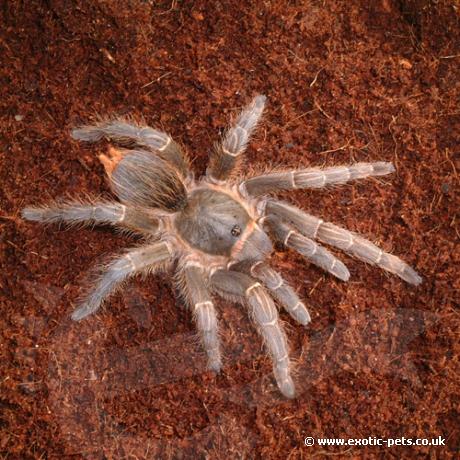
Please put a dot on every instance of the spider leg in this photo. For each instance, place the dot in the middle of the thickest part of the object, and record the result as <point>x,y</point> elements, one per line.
<point>349,242</point>
<point>96,213</point>
<point>225,155</point>
<point>308,248</point>
<point>312,178</point>
<point>143,259</point>
<point>241,287</point>
<point>198,297</point>
<point>278,287</point>
<point>132,134</point>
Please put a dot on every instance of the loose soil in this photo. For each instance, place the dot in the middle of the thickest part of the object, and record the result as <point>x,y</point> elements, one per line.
<point>346,81</point>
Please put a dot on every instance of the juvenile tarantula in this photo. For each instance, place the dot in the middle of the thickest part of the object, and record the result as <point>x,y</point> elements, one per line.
<point>215,229</point>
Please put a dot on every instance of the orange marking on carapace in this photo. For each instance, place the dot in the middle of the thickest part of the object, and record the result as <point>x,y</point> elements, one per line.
<point>247,232</point>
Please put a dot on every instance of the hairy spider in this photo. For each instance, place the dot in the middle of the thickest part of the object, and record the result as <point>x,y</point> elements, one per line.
<point>215,229</point>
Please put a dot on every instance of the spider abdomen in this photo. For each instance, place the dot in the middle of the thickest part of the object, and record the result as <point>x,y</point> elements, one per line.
<point>143,179</point>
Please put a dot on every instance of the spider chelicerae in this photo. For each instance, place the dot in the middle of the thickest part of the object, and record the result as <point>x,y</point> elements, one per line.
<point>216,232</point>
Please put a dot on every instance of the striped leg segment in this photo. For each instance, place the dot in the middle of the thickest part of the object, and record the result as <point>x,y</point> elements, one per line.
<point>225,156</point>
<point>313,178</point>
<point>146,259</point>
<point>308,248</point>
<point>199,300</point>
<point>278,287</point>
<point>333,235</point>
<point>97,213</point>
<point>240,286</point>
<point>131,134</point>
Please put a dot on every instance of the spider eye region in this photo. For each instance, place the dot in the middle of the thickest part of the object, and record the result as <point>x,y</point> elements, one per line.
<point>212,221</point>
<point>236,230</point>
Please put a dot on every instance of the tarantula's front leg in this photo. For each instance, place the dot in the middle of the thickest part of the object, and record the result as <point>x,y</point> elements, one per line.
<point>140,260</point>
<point>312,178</point>
<point>197,295</point>
<point>349,242</point>
<point>225,156</point>
<point>131,134</point>
<point>281,290</point>
<point>238,286</point>
<point>308,248</point>
<point>97,213</point>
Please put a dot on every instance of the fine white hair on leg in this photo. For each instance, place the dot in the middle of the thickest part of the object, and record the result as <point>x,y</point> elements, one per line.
<point>194,287</point>
<point>338,237</point>
<point>74,212</point>
<point>266,317</point>
<point>129,134</point>
<point>224,158</point>
<point>239,286</point>
<point>308,248</point>
<point>313,177</point>
<point>282,292</point>
<point>144,259</point>
<point>367,251</point>
<point>237,137</point>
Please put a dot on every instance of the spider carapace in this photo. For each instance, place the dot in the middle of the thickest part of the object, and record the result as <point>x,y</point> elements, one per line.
<point>218,224</point>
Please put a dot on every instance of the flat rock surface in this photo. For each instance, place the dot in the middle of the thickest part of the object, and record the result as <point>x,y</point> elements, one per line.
<point>346,81</point>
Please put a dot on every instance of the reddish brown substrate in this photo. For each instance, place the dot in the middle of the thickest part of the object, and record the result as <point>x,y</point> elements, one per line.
<point>346,82</point>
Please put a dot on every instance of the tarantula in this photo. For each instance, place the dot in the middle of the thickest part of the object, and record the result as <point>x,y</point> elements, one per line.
<point>215,230</point>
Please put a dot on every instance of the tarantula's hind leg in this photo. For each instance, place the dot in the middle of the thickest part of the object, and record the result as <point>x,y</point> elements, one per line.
<point>225,156</point>
<point>281,290</point>
<point>97,213</point>
<point>192,283</point>
<point>143,259</point>
<point>349,242</point>
<point>241,287</point>
<point>130,135</point>
<point>312,251</point>
<point>75,212</point>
